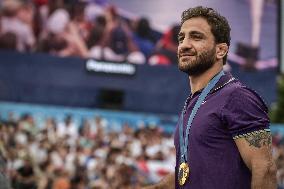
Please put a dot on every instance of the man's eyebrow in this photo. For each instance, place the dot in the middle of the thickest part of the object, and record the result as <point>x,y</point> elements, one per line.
<point>195,32</point>
<point>191,33</point>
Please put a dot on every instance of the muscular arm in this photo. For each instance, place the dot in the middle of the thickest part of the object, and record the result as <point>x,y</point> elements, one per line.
<point>255,149</point>
<point>168,182</point>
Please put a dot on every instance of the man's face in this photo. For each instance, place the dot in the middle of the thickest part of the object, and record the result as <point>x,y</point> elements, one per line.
<point>197,48</point>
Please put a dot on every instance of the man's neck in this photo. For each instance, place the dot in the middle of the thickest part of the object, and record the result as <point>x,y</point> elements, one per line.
<point>200,81</point>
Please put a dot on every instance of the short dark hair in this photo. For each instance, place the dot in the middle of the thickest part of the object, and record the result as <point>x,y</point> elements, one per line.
<point>220,27</point>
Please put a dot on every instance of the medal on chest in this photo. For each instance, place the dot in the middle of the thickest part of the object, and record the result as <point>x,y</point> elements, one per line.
<point>183,173</point>
<point>183,170</point>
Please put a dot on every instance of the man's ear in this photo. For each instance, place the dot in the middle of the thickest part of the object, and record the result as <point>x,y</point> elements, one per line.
<point>221,50</point>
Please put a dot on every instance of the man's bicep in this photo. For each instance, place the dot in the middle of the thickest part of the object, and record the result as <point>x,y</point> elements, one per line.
<point>255,147</point>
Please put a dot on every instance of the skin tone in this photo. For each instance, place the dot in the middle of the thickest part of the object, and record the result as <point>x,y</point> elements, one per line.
<point>195,39</point>
<point>256,152</point>
<point>202,58</point>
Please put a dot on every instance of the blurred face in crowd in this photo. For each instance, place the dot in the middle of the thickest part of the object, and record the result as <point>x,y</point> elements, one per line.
<point>197,48</point>
<point>26,13</point>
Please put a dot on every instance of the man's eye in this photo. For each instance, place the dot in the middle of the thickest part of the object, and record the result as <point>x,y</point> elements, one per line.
<point>180,39</point>
<point>197,37</point>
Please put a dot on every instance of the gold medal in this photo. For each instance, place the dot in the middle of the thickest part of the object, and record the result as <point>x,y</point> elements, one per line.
<point>183,173</point>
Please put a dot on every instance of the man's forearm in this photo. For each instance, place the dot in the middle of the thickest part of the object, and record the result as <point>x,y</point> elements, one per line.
<point>264,177</point>
<point>168,182</point>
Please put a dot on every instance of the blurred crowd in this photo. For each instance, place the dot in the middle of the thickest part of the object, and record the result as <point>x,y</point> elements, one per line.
<point>91,155</point>
<point>65,155</point>
<point>86,29</point>
<point>278,154</point>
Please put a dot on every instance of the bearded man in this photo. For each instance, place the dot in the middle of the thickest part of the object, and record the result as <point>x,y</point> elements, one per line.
<point>222,138</point>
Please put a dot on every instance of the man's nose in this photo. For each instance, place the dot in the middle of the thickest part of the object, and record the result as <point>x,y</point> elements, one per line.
<point>185,45</point>
<point>184,48</point>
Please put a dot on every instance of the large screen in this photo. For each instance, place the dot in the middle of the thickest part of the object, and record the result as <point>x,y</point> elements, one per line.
<point>253,24</point>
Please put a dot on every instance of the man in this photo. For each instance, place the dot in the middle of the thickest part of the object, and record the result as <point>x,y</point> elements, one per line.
<point>222,139</point>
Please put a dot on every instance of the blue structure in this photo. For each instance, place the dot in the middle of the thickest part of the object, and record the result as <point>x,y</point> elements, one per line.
<point>115,119</point>
<point>44,79</point>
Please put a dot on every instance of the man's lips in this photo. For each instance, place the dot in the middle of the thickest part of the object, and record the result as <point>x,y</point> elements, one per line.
<point>186,55</point>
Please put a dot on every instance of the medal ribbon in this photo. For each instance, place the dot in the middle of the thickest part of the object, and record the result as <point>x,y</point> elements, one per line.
<point>201,98</point>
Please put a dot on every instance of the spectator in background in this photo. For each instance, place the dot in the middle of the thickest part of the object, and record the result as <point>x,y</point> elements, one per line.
<point>62,36</point>
<point>27,124</point>
<point>50,127</point>
<point>165,53</point>
<point>111,40</point>
<point>98,126</point>
<point>77,16</point>
<point>143,36</point>
<point>128,164</point>
<point>4,181</point>
<point>65,28</point>
<point>25,177</point>
<point>17,19</point>
<point>98,42</point>
<point>120,38</point>
<point>67,128</point>
<point>43,10</point>
<point>94,8</point>
<point>80,178</point>
<point>61,181</point>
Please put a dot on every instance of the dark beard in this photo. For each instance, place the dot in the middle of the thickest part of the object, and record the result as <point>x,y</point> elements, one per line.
<point>203,62</point>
